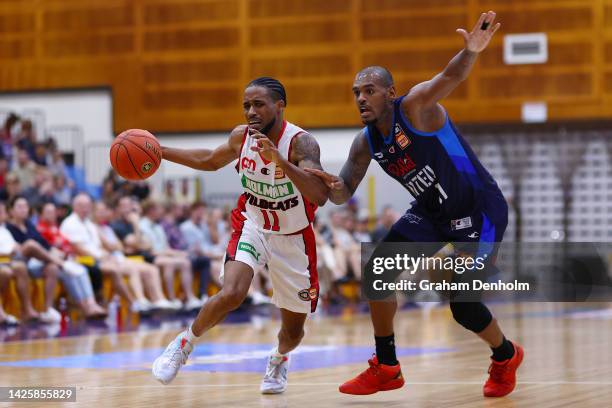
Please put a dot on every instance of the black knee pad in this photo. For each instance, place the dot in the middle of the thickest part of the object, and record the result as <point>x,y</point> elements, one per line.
<point>474,316</point>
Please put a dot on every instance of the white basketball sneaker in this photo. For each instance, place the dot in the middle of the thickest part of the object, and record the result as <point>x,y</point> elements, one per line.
<point>275,380</point>
<point>167,366</point>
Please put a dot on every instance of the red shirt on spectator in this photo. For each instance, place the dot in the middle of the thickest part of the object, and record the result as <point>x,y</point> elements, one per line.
<point>52,234</point>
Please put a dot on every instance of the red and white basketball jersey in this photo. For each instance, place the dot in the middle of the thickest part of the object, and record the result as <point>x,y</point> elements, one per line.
<point>270,199</point>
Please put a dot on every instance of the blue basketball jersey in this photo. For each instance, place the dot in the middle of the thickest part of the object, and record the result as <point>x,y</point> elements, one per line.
<point>439,169</point>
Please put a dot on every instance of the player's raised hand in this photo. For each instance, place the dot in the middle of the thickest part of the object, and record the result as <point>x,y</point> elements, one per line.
<point>264,146</point>
<point>483,31</point>
<point>331,181</point>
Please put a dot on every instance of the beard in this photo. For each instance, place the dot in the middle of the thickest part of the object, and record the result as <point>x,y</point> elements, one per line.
<point>268,127</point>
<point>370,122</point>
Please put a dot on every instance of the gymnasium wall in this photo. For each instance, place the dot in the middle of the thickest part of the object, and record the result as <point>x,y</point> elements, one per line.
<point>181,65</point>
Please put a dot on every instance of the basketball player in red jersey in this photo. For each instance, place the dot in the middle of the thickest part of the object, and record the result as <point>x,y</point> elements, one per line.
<point>272,225</point>
<point>456,201</point>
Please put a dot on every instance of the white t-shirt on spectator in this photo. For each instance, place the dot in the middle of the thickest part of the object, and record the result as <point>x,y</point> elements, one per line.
<point>109,235</point>
<point>155,234</point>
<point>83,233</point>
<point>343,237</point>
<point>7,242</point>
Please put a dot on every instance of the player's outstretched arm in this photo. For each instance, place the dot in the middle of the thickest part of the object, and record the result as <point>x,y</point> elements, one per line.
<point>206,159</point>
<point>342,187</point>
<point>427,94</point>
<point>305,153</point>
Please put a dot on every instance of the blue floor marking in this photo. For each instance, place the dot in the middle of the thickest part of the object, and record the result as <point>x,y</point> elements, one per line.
<point>214,357</point>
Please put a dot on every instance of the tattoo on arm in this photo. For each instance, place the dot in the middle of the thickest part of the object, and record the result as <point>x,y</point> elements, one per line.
<point>306,152</point>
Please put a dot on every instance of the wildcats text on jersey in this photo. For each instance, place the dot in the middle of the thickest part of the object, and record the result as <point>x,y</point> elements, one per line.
<point>272,205</point>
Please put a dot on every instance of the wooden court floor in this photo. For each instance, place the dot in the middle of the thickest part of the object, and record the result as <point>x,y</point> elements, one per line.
<point>568,363</point>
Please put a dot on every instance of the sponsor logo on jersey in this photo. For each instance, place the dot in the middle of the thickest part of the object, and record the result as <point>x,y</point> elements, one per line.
<point>303,294</point>
<point>279,173</point>
<point>308,294</point>
<point>401,166</point>
<point>265,171</point>
<point>313,293</point>
<point>392,149</point>
<point>248,164</point>
<point>246,247</point>
<point>267,190</point>
<point>400,137</point>
<point>379,155</point>
<point>461,223</point>
<point>412,218</point>
<point>283,205</point>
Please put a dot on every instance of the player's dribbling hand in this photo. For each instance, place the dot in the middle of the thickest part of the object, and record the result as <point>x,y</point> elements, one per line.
<point>264,146</point>
<point>483,31</point>
<point>331,181</point>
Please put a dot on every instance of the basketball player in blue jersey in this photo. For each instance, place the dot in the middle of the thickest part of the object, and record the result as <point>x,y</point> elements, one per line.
<point>457,200</point>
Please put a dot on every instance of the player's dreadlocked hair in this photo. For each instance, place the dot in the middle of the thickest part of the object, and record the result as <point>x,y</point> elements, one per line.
<point>277,90</point>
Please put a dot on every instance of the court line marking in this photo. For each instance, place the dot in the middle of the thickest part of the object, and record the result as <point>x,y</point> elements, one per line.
<point>336,384</point>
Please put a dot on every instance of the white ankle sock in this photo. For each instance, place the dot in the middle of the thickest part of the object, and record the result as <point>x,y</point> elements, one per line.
<point>190,336</point>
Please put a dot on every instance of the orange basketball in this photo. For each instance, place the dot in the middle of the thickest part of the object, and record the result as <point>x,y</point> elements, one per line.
<point>135,154</point>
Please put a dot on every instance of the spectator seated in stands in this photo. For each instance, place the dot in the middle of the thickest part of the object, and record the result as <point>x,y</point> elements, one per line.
<point>387,218</point>
<point>149,273</point>
<point>12,266</point>
<point>25,169</point>
<point>7,136</point>
<point>168,259</point>
<point>362,231</point>
<point>63,190</point>
<point>76,278</point>
<point>84,237</point>
<point>40,154</point>
<point>55,161</point>
<point>114,188</point>
<point>43,261</point>
<point>42,190</point>
<point>199,263</point>
<point>347,250</point>
<point>12,187</point>
<point>326,265</point>
<point>26,138</point>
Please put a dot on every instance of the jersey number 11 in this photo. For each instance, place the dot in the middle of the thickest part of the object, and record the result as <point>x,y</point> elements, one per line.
<point>270,226</point>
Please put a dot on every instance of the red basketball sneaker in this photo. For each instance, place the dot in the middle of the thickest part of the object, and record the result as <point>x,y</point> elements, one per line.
<point>379,377</point>
<point>502,375</point>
